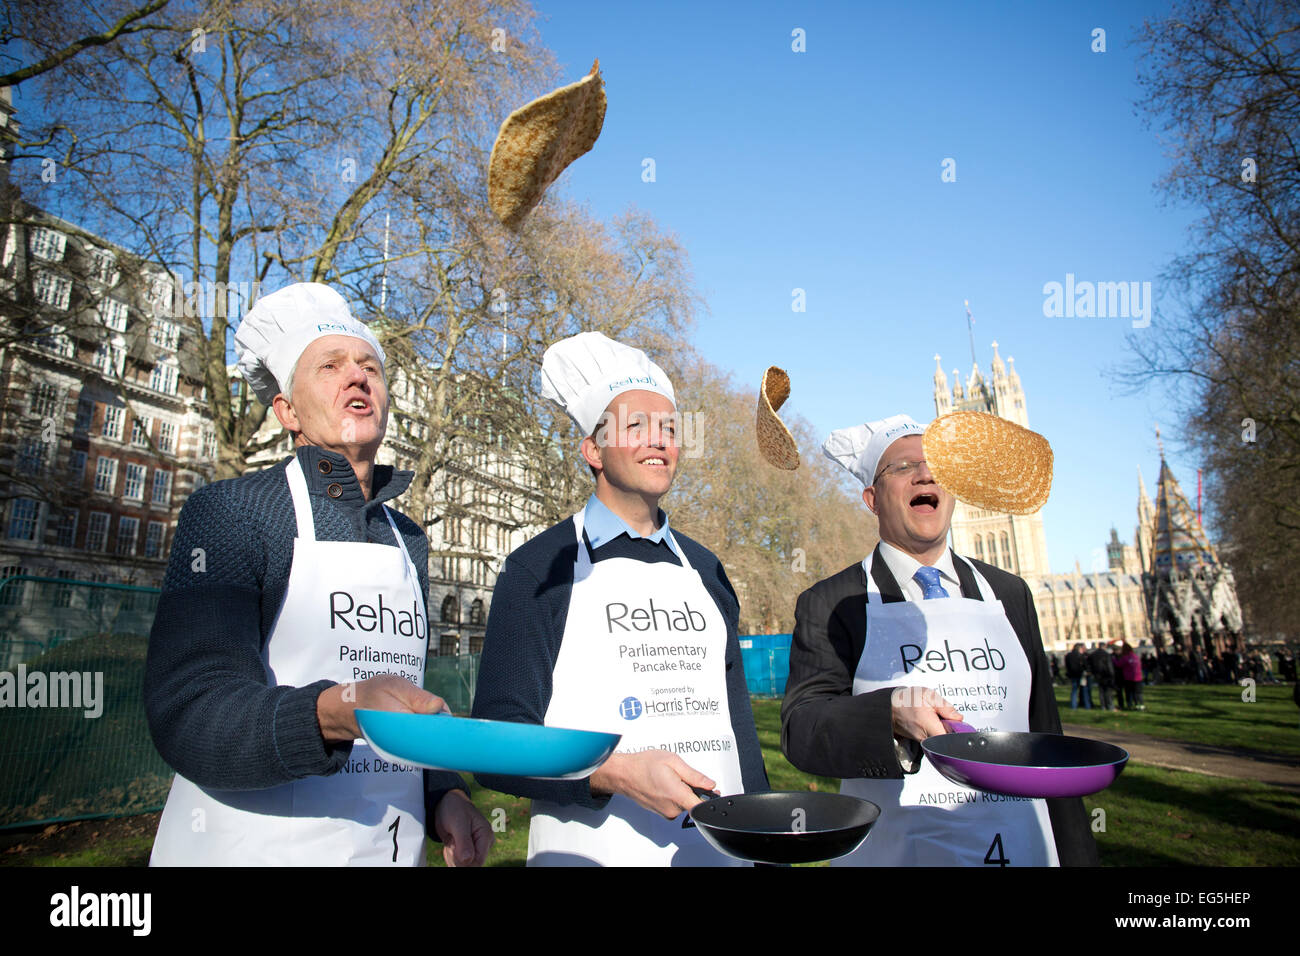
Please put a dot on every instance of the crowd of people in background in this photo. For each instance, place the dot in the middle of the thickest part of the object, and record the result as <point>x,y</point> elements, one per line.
<point>1117,673</point>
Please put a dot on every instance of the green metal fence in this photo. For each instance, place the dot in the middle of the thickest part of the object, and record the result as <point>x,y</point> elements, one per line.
<point>73,738</point>
<point>74,741</point>
<point>453,679</point>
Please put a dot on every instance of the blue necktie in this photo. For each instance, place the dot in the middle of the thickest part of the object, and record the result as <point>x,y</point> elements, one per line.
<point>928,578</point>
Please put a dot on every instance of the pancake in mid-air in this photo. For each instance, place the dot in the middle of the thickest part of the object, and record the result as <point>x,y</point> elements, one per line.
<point>989,462</point>
<point>538,140</point>
<point>775,443</point>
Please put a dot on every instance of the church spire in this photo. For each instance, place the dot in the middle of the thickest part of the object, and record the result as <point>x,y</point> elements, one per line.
<point>970,328</point>
<point>942,400</point>
<point>1146,528</point>
<point>1180,541</point>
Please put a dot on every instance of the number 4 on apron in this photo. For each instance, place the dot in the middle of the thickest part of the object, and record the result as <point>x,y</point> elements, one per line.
<point>979,666</point>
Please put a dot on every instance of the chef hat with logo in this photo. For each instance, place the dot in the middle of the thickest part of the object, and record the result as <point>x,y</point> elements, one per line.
<point>585,372</point>
<point>280,326</point>
<point>860,448</point>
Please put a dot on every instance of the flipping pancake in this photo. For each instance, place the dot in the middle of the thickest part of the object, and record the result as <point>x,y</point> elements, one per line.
<point>538,140</point>
<point>989,462</point>
<point>775,443</point>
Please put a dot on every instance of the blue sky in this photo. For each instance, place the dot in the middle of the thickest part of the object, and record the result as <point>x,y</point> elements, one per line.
<point>822,170</point>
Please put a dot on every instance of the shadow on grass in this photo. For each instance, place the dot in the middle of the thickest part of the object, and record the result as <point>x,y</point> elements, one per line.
<point>1253,809</point>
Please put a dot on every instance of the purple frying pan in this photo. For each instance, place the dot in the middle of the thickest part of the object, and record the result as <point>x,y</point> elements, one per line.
<point>1023,764</point>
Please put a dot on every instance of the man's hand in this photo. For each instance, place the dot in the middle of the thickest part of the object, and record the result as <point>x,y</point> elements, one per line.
<point>917,712</point>
<point>336,705</point>
<point>656,779</point>
<point>466,836</point>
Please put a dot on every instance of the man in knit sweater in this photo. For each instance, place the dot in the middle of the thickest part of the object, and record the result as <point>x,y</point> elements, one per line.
<point>283,589</point>
<point>612,621</point>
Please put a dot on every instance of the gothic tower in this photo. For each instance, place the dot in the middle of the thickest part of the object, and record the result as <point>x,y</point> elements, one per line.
<point>1190,592</point>
<point>1146,528</point>
<point>942,400</point>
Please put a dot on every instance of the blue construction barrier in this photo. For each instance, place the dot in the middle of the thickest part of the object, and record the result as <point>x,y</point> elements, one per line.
<point>766,659</point>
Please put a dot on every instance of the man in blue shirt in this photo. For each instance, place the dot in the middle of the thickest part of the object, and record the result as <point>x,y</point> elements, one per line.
<point>613,621</point>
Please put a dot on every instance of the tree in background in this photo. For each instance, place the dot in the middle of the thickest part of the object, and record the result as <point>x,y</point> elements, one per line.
<point>1223,82</point>
<point>246,144</point>
<point>52,35</point>
<point>253,143</point>
<point>468,335</point>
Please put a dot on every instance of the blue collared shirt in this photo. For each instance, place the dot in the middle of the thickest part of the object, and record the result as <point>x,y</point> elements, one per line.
<point>603,526</point>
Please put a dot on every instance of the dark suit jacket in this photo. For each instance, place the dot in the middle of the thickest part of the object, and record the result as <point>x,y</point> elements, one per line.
<point>826,729</point>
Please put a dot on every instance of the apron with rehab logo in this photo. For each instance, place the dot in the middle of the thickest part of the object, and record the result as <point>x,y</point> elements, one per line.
<point>351,610</point>
<point>643,656</point>
<point>966,651</point>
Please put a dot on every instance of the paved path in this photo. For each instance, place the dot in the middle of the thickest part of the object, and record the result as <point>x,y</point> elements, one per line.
<point>1272,769</point>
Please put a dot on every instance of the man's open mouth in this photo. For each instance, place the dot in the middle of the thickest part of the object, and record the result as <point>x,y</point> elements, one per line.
<point>657,462</point>
<point>359,404</point>
<point>925,503</point>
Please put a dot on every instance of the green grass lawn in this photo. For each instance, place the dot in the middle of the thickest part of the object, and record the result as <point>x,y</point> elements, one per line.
<point>509,818</point>
<point>1156,817</point>
<point>119,850</point>
<point>1210,714</point>
<point>1152,817</point>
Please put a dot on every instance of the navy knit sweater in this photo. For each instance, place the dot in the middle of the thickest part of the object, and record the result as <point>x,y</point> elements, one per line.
<point>213,716</point>
<point>525,628</point>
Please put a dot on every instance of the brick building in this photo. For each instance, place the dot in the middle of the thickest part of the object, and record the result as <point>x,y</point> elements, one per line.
<point>104,430</point>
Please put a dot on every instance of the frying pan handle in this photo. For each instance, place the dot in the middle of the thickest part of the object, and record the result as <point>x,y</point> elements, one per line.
<point>703,794</point>
<point>957,727</point>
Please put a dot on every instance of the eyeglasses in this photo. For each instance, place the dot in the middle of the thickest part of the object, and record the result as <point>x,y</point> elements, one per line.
<point>899,468</point>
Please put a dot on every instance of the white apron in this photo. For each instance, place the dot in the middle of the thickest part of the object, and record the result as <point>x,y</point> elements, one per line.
<point>967,651</point>
<point>351,611</point>
<point>643,656</point>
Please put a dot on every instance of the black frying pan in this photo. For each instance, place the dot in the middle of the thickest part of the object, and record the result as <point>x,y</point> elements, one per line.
<point>797,826</point>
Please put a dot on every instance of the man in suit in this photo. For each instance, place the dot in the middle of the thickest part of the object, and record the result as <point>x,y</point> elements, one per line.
<point>1103,669</point>
<point>887,649</point>
<point>1076,668</point>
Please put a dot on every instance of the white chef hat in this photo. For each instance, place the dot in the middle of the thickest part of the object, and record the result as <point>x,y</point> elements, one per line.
<point>860,448</point>
<point>585,372</point>
<point>280,326</point>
